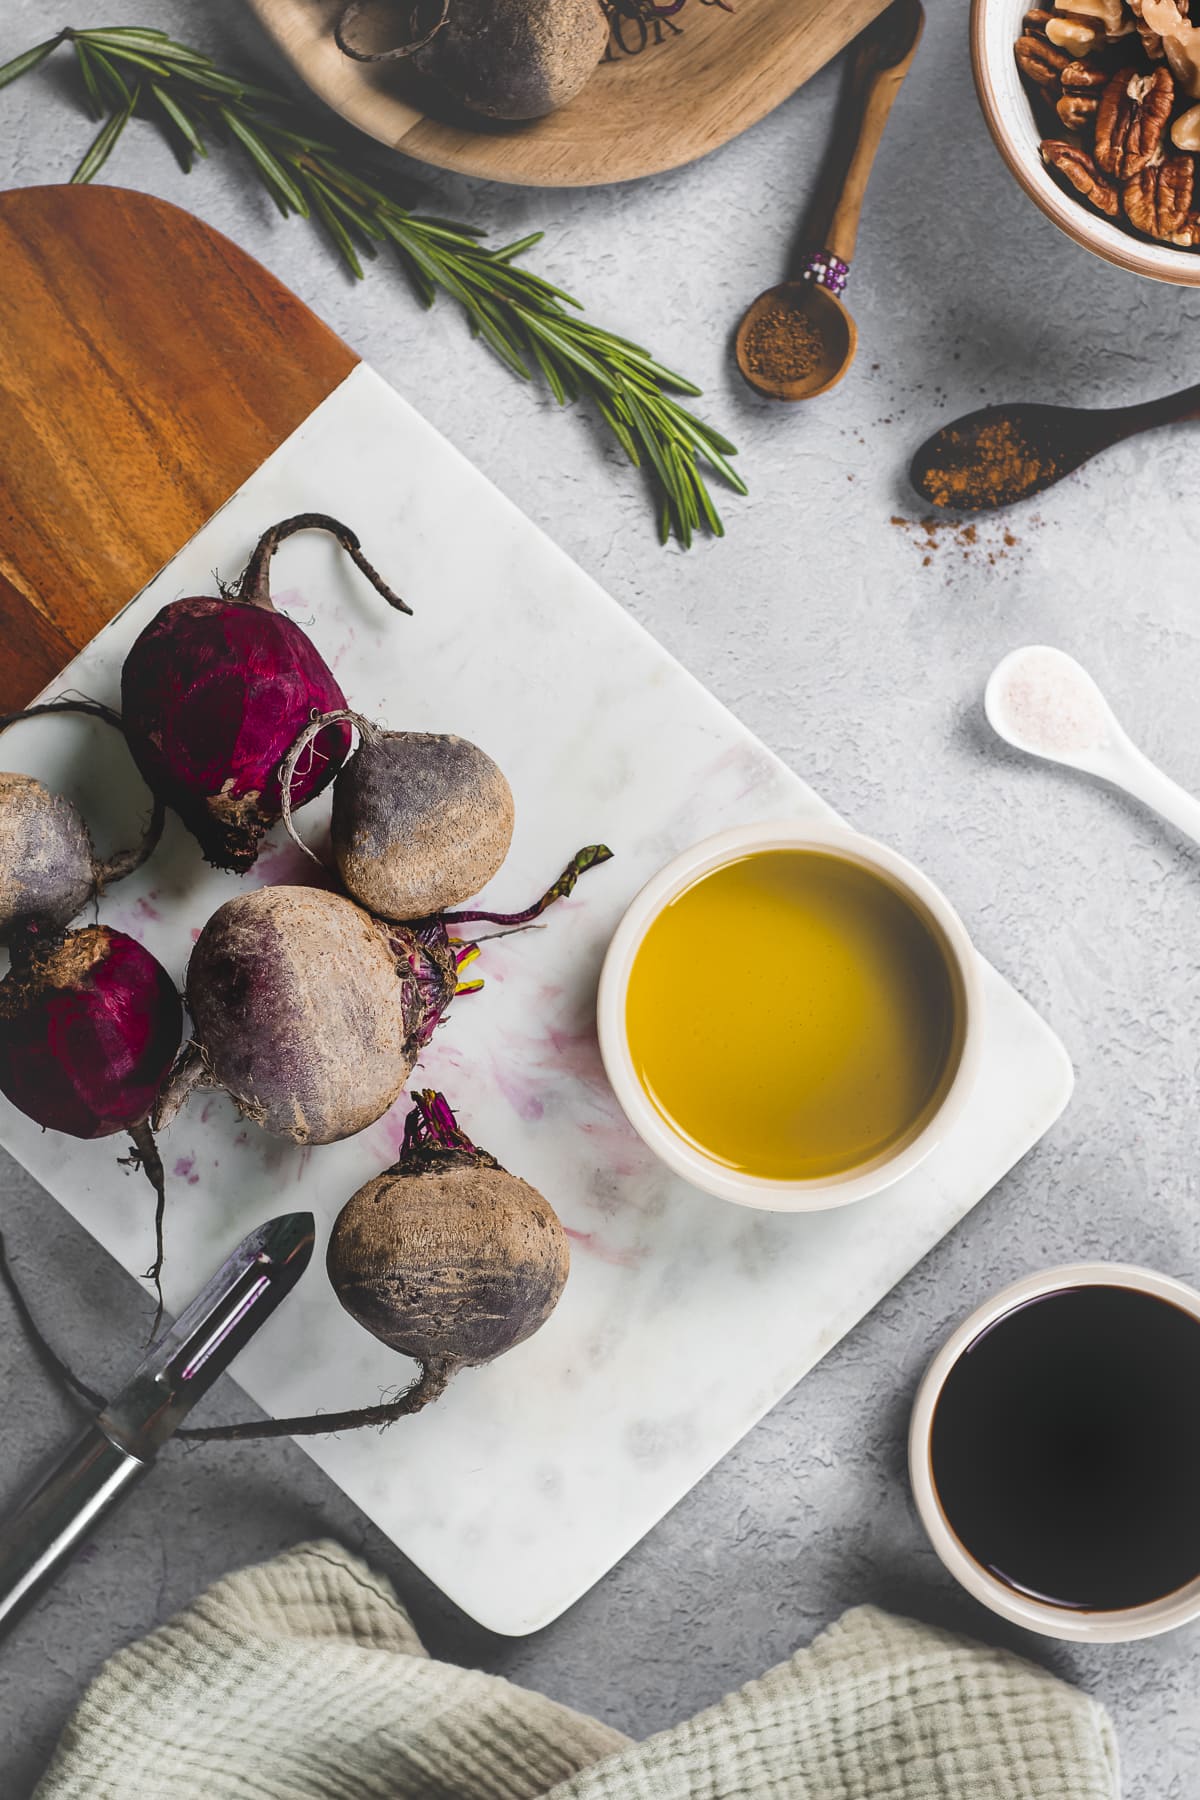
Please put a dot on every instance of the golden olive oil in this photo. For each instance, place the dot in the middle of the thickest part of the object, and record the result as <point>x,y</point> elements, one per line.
<point>793,1015</point>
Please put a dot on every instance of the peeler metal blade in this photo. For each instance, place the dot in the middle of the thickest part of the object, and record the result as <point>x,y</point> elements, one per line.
<point>120,1445</point>
<point>183,1363</point>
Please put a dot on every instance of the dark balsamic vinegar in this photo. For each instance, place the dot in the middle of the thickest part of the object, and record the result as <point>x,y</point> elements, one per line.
<point>1066,1448</point>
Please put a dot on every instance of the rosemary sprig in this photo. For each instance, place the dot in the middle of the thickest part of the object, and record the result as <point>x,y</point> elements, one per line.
<point>132,71</point>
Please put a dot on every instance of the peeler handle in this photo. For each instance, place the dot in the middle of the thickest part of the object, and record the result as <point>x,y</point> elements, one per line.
<point>37,1540</point>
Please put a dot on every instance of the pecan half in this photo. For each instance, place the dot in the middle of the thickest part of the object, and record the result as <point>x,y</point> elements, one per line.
<point>1039,61</point>
<point>1077,110</point>
<point>1134,112</point>
<point>1084,78</point>
<point>1158,200</point>
<point>1075,163</point>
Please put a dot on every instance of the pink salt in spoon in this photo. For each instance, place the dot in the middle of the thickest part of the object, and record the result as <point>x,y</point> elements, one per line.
<point>1042,701</point>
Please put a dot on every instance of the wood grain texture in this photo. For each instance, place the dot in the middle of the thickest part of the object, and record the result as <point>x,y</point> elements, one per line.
<point>147,367</point>
<point>671,102</point>
<point>882,59</point>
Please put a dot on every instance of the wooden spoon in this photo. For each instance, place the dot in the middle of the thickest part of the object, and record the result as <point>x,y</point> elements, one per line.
<point>804,319</point>
<point>1001,454</point>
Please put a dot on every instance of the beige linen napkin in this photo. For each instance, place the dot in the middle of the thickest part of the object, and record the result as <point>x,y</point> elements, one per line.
<point>303,1679</point>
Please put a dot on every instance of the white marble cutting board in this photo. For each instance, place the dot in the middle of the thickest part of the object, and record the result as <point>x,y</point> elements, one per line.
<point>685,1319</point>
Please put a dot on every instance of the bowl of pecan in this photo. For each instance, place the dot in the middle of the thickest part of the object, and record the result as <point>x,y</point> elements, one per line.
<point>1095,108</point>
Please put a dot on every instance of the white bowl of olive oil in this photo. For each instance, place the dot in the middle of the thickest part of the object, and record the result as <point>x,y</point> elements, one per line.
<point>789,1015</point>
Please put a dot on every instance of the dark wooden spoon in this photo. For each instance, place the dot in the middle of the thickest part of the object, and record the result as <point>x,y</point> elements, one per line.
<point>1002,454</point>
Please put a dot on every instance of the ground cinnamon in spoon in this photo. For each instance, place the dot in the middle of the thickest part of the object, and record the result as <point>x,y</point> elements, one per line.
<point>990,465</point>
<point>783,344</point>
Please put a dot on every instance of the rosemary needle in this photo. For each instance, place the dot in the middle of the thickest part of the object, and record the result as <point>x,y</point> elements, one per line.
<point>534,327</point>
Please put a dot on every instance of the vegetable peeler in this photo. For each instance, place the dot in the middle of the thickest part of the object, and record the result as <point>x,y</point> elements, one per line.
<point>120,1445</point>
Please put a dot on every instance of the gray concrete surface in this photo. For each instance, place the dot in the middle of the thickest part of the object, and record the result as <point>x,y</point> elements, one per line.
<point>857,649</point>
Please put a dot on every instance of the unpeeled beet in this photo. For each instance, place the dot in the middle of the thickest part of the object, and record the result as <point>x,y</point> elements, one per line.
<point>308,1012</point>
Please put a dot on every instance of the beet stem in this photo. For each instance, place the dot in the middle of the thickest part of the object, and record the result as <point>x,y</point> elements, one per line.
<point>429,1385</point>
<point>432,1124</point>
<point>121,862</point>
<point>95,709</point>
<point>146,1157</point>
<point>588,858</point>
<point>48,1357</point>
<point>255,584</point>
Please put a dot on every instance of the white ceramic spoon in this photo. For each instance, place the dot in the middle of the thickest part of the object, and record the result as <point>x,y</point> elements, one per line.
<point>1042,701</point>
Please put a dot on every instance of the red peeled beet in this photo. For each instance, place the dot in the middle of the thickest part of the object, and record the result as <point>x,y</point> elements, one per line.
<point>89,1027</point>
<point>214,693</point>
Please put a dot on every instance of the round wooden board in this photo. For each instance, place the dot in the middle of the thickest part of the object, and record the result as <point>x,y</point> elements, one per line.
<point>666,98</point>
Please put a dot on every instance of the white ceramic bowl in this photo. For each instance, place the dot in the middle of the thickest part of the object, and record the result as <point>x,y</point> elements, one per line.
<point>1116,1627</point>
<point>995,28</point>
<point>684,1158</point>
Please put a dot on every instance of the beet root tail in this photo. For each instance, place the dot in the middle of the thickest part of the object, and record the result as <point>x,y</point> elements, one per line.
<point>121,862</point>
<point>145,1157</point>
<point>287,768</point>
<point>428,1386</point>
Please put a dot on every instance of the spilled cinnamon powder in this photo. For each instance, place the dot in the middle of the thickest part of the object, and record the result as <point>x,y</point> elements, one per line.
<point>937,538</point>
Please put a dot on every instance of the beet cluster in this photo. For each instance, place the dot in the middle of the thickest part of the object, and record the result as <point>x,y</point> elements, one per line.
<point>309,1006</point>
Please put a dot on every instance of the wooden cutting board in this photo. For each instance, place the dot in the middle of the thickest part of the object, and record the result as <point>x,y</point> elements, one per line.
<point>666,93</point>
<point>147,367</point>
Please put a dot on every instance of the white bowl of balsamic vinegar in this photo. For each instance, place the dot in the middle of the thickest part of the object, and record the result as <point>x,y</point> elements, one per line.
<point>1054,1453</point>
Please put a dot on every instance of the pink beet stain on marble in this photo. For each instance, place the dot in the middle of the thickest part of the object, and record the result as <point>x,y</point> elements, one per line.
<point>559,1052</point>
<point>388,1132</point>
<point>206,1110</point>
<point>284,865</point>
<point>577,1053</point>
<point>145,908</point>
<point>609,1253</point>
<point>522,1095</point>
<point>440,1062</point>
<point>194,933</point>
<point>288,600</point>
<point>185,1170</point>
<point>619,1149</point>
